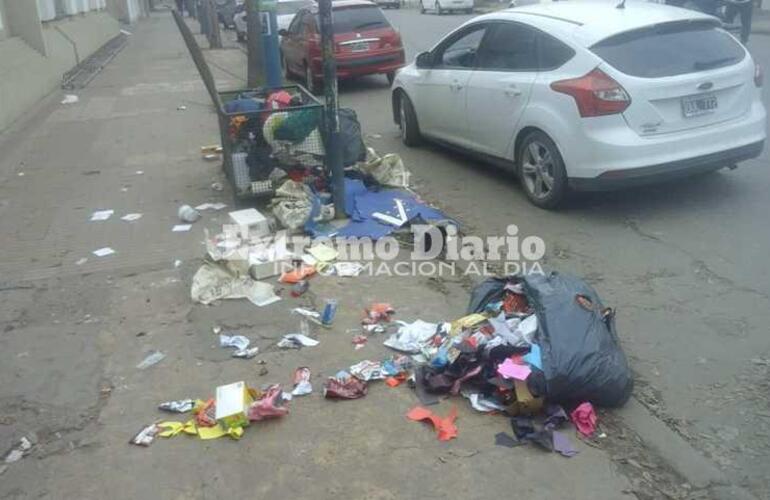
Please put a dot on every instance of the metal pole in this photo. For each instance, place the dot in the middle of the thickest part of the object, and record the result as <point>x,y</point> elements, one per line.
<point>215,40</point>
<point>333,151</point>
<point>254,36</point>
<point>272,56</point>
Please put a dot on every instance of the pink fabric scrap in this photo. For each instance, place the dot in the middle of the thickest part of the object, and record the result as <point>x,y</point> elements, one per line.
<point>584,419</point>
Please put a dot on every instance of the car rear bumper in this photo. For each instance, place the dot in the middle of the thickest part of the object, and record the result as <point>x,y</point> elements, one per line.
<point>617,179</point>
<point>606,152</point>
<point>348,67</point>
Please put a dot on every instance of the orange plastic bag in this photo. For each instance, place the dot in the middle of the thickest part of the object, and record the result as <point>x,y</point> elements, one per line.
<point>445,426</point>
<point>297,275</point>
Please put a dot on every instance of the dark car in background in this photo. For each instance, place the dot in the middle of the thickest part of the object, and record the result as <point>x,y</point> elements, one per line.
<point>365,43</point>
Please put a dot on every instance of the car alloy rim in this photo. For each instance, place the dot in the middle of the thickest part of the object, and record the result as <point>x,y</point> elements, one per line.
<point>537,170</point>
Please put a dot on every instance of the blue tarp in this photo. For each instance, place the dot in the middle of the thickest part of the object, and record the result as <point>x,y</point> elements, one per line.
<point>361,203</point>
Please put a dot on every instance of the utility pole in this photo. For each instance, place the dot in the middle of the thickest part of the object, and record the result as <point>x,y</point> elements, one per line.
<point>254,41</point>
<point>215,38</point>
<point>333,152</point>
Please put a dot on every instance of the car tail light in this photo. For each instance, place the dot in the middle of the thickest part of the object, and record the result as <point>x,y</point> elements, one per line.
<point>596,94</point>
<point>759,75</point>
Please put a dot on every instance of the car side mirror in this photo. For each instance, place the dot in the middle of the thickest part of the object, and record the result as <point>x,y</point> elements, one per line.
<point>283,32</point>
<point>424,60</point>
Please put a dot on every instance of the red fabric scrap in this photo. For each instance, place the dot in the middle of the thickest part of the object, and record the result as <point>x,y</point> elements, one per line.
<point>445,426</point>
<point>584,419</point>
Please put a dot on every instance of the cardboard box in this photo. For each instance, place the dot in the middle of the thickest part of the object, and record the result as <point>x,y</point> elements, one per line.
<point>232,404</point>
<point>250,222</point>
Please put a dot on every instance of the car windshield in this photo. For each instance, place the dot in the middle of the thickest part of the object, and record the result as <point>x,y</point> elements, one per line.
<point>291,7</point>
<point>670,49</point>
<point>354,19</point>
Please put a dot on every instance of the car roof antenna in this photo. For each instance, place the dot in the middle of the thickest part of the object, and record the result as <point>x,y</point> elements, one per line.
<point>621,5</point>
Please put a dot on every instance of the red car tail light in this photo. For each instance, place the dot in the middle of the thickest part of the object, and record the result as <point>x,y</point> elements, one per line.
<point>759,75</point>
<point>596,94</point>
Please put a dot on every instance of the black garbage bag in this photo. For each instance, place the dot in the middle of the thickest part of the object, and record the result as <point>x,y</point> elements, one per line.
<point>581,354</point>
<point>352,144</point>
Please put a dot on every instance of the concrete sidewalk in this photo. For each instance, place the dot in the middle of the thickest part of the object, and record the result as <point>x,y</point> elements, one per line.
<point>73,333</point>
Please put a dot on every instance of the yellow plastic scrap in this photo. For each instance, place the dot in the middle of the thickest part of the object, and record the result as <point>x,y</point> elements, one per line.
<point>459,325</point>
<point>172,428</point>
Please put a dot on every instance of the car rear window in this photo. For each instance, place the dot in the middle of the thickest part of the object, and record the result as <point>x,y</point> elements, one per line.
<point>670,49</point>
<point>353,19</point>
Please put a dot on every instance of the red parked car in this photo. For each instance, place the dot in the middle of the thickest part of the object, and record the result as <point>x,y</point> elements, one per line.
<point>364,43</point>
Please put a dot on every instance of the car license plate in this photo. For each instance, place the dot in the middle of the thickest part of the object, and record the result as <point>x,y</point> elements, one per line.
<point>359,47</point>
<point>699,105</point>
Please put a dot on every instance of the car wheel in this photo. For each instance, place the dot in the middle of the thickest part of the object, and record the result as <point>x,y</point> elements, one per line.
<point>407,121</point>
<point>390,76</point>
<point>438,8</point>
<point>310,82</point>
<point>541,170</point>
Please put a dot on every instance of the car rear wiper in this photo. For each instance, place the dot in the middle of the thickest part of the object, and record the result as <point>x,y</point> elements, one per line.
<point>364,25</point>
<point>714,63</point>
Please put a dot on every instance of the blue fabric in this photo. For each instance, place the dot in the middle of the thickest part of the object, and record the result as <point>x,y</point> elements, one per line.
<point>241,105</point>
<point>361,203</point>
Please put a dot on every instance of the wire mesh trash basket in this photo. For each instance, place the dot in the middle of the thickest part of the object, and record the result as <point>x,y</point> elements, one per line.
<point>268,133</point>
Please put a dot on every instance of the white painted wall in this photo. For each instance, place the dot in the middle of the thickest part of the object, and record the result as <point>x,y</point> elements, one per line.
<point>46,9</point>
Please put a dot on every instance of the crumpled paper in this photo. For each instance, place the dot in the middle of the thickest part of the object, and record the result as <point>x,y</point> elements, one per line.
<point>387,170</point>
<point>292,204</point>
<point>411,336</point>
<point>213,282</point>
<point>584,419</point>
<point>269,406</point>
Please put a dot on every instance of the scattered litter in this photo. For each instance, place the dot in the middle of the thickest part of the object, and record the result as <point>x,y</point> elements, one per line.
<point>348,269</point>
<point>131,217</point>
<point>251,222</point>
<point>329,312</point>
<point>214,281</point>
<point>344,386</point>
<point>179,406</point>
<point>296,275</point>
<point>70,99</point>
<point>213,148</point>
<point>231,404</point>
<point>241,345</point>
<point>563,444</point>
<point>444,426</point>
<point>299,288</point>
<point>367,370</point>
<point>262,371</point>
<point>145,436</point>
<point>181,228</point>
<point>103,252</point>
<point>139,172</point>
<point>19,451</point>
<point>249,353</point>
<point>269,406</point>
<point>188,214</point>
<point>181,107</point>
<point>20,174</point>
<point>323,253</point>
<point>296,340</point>
<point>126,32</point>
<point>177,263</point>
<point>217,186</point>
<point>153,358</point>
<point>508,369</point>
<point>81,261</point>
<point>584,419</point>
<point>411,337</point>
<point>377,313</point>
<point>210,206</point>
<point>359,341</point>
<point>211,157</point>
<point>100,215</point>
<point>302,384</point>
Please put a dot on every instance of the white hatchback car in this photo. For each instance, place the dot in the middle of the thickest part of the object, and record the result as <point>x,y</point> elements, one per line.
<point>588,96</point>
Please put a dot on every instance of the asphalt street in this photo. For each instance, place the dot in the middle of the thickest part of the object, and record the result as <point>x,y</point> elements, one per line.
<point>684,263</point>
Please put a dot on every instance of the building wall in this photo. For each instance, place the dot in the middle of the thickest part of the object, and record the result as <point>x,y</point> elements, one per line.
<point>30,71</point>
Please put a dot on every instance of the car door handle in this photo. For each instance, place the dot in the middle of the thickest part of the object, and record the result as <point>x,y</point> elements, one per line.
<point>512,91</point>
<point>455,86</point>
